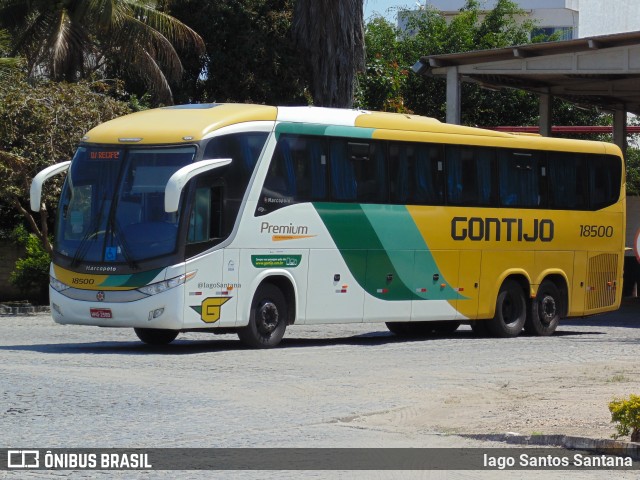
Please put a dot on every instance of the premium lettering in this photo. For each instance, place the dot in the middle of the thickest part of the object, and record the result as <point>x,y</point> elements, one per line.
<point>290,229</point>
<point>502,229</point>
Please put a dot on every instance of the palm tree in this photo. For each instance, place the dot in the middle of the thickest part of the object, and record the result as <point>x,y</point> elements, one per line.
<point>72,39</point>
<point>331,36</point>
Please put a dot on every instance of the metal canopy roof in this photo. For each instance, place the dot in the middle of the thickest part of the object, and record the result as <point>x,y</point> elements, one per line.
<point>602,71</point>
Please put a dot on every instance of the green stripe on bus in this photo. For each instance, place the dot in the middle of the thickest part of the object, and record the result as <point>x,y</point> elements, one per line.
<point>322,130</point>
<point>401,239</point>
<point>135,280</point>
<point>384,251</point>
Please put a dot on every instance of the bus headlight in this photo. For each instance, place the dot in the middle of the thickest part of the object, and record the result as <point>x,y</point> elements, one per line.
<point>57,285</point>
<point>160,287</point>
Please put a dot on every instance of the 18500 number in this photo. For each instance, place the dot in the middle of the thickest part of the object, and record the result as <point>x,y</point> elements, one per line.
<point>603,231</point>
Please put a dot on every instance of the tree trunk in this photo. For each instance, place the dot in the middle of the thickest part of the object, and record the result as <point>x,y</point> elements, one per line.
<point>330,34</point>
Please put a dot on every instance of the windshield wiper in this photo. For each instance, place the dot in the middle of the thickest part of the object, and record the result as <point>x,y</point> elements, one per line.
<point>115,230</point>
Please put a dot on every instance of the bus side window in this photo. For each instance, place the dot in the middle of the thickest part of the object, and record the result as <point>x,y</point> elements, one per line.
<point>206,220</point>
<point>470,174</point>
<point>401,169</point>
<point>343,178</point>
<point>429,174</point>
<point>567,181</point>
<point>281,177</point>
<point>370,171</point>
<point>416,173</point>
<point>604,180</point>
<point>519,177</point>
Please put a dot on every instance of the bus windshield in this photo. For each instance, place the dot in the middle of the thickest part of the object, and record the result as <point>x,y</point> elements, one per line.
<point>112,204</point>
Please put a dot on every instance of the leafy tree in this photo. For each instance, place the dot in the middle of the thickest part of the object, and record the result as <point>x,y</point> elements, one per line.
<point>389,84</point>
<point>633,171</point>
<point>73,39</point>
<point>250,55</point>
<point>331,38</point>
<point>31,272</point>
<point>7,64</point>
<point>40,124</point>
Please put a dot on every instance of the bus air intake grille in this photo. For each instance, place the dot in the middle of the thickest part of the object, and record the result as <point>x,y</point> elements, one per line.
<point>601,286</point>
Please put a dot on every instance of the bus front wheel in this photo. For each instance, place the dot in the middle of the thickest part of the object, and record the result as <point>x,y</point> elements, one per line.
<point>156,336</point>
<point>511,311</point>
<point>545,310</point>
<point>267,319</point>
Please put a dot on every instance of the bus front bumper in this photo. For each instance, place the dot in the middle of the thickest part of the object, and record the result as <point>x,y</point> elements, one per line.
<point>164,310</point>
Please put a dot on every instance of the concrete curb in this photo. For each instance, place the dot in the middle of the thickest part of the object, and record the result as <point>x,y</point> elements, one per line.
<point>602,446</point>
<point>22,309</point>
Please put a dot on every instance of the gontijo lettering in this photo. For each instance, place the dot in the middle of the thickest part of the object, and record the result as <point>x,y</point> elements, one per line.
<point>499,229</point>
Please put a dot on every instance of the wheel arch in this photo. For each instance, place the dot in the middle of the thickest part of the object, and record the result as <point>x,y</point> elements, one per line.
<point>287,285</point>
<point>521,278</point>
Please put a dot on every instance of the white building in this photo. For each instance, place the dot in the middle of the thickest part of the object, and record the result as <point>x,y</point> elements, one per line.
<point>571,18</point>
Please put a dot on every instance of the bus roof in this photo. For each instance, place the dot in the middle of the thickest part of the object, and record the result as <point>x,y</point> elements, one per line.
<point>193,122</point>
<point>176,124</point>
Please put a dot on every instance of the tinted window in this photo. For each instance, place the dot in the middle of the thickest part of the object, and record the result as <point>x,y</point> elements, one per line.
<point>219,193</point>
<point>470,175</point>
<point>567,177</point>
<point>416,173</point>
<point>520,174</point>
<point>369,166</point>
<point>604,180</point>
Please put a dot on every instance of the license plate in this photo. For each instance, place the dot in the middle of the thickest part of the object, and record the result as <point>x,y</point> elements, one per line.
<point>101,313</point>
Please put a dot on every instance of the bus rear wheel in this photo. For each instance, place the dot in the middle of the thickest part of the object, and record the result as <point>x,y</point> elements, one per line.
<point>267,319</point>
<point>511,311</point>
<point>545,310</point>
<point>156,336</point>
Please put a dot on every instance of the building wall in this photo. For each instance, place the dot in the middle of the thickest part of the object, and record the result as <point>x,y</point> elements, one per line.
<point>545,13</point>
<point>600,18</point>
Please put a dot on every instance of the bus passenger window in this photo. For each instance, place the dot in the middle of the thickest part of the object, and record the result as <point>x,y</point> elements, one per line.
<point>416,173</point>
<point>429,174</point>
<point>297,173</point>
<point>343,178</point>
<point>567,181</point>
<point>604,180</point>
<point>370,171</point>
<point>470,174</point>
<point>519,176</point>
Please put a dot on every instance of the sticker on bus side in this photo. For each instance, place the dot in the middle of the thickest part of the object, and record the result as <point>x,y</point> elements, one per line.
<point>210,309</point>
<point>281,261</point>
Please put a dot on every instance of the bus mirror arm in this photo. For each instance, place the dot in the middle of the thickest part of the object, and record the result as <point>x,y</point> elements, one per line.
<point>178,180</point>
<point>35,193</point>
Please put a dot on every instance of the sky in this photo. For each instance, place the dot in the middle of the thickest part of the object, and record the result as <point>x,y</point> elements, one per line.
<point>383,6</point>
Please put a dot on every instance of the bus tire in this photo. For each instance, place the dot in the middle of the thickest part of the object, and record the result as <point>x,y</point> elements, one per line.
<point>545,310</point>
<point>511,311</point>
<point>267,319</point>
<point>156,336</point>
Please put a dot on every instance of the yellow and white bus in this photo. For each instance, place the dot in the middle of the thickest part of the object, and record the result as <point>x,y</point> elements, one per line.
<point>249,218</point>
